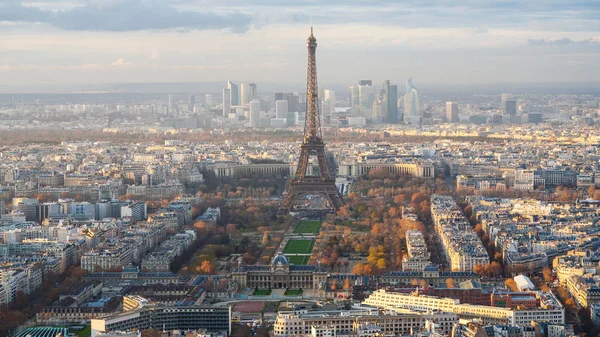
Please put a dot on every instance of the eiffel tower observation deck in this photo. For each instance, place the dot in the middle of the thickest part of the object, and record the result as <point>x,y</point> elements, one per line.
<point>312,145</point>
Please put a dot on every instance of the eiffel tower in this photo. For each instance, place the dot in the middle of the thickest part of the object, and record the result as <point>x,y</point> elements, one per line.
<point>312,145</point>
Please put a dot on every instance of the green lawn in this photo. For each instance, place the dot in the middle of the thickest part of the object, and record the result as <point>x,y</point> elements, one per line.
<point>85,332</point>
<point>308,227</point>
<point>299,247</point>
<point>293,292</point>
<point>298,259</point>
<point>261,292</point>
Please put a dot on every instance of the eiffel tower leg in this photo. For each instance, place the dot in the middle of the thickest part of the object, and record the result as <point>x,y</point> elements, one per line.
<point>288,203</point>
<point>325,174</point>
<point>336,201</point>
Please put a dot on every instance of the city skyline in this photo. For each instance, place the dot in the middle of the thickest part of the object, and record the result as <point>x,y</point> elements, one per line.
<point>65,42</point>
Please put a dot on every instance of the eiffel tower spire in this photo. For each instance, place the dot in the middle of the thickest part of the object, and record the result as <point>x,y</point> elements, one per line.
<point>312,145</point>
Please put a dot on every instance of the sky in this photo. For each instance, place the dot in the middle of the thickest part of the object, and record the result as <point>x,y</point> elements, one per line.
<point>54,42</point>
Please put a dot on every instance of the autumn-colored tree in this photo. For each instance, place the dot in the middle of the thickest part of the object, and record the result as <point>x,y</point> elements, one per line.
<point>414,282</point>
<point>358,269</point>
<point>511,284</point>
<point>479,229</point>
<point>207,267</point>
<point>242,331</point>
<point>478,269</point>
<point>231,228</point>
<point>368,270</point>
<point>150,333</point>
<point>222,285</point>
<point>344,212</point>
<point>570,303</point>
<point>333,284</point>
<point>381,264</point>
<point>347,283</point>
<point>495,268</point>
<point>209,285</point>
<point>449,283</point>
<point>547,273</point>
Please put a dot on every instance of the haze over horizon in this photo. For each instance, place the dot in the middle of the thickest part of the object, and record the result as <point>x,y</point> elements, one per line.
<point>49,43</point>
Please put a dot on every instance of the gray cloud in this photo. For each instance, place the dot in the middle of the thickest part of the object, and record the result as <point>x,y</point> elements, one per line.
<point>125,15</point>
<point>561,42</point>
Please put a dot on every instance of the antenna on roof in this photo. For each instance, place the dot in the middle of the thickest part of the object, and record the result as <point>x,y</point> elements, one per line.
<point>311,27</point>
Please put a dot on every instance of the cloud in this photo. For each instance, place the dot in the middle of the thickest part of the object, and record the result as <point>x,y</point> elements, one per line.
<point>562,42</point>
<point>124,15</point>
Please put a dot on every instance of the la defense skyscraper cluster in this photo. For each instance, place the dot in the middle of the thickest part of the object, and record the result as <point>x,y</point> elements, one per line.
<point>312,145</point>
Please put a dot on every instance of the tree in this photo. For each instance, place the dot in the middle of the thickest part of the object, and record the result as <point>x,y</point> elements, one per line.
<point>21,300</point>
<point>231,228</point>
<point>358,269</point>
<point>449,283</point>
<point>150,333</point>
<point>242,331</point>
<point>547,273</point>
<point>511,284</point>
<point>207,267</point>
<point>344,212</point>
<point>347,283</point>
<point>209,285</point>
<point>222,285</point>
<point>495,268</point>
<point>334,284</point>
<point>478,269</point>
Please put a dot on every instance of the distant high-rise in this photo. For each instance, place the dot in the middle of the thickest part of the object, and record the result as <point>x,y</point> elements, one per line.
<point>366,94</point>
<point>376,112</point>
<point>255,113</point>
<point>451,112</point>
<point>248,92</point>
<point>235,96</point>
<point>244,94</point>
<point>226,102</point>
<point>281,108</point>
<point>393,105</point>
<point>412,108</point>
<point>208,100</point>
<point>192,102</point>
<point>389,102</point>
<point>170,102</point>
<point>253,91</point>
<point>329,95</point>
<point>509,105</point>
<point>354,97</point>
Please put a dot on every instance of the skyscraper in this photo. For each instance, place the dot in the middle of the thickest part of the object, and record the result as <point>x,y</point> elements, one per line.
<point>281,108</point>
<point>192,102</point>
<point>354,98</point>
<point>244,94</point>
<point>255,113</point>
<point>208,100</point>
<point>252,91</point>
<point>412,112</point>
<point>226,102</point>
<point>451,112</point>
<point>170,102</point>
<point>235,96</point>
<point>509,105</point>
<point>366,94</point>
<point>389,102</point>
<point>329,95</point>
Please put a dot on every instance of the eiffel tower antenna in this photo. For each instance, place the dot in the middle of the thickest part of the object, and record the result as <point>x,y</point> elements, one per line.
<point>312,145</point>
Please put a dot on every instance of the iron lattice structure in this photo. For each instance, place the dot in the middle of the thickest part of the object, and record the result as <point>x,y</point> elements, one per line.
<point>312,145</point>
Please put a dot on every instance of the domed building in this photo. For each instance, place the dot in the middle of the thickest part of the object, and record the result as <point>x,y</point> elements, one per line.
<point>280,275</point>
